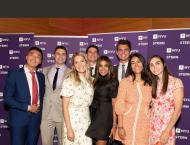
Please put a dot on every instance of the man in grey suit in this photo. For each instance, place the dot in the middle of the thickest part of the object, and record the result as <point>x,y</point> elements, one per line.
<point>52,116</point>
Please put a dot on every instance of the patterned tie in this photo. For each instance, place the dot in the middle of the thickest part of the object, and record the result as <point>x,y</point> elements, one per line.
<point>55,79</point>
<point>34,89</point>
<point>123,71</point>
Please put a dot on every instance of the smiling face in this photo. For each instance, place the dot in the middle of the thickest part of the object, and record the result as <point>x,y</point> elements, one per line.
<point>136,65</point>
<point>156,66</point>
<point>123,52</point>
<point>33,59</point>
<point>92,55</point>
<point>80,64</point>
<point>103,68</point>
<point>60,56</point>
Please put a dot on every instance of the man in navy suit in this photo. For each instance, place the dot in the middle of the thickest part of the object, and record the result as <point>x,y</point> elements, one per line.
<point>23,94</point>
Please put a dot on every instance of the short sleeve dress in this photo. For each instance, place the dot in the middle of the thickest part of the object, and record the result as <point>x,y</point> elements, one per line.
<point>102,118</point>
<point>162,110</point>
<point>80,99</point>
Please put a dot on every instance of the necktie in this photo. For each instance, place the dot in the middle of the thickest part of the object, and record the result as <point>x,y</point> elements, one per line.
<point>34,89</point>
<point>91,71</point>
<point>55,79</point>
<point>123,71</point>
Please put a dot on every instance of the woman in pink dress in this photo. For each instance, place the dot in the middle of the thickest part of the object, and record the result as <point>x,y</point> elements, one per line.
<point>168,93</point>
<point>133,103</point>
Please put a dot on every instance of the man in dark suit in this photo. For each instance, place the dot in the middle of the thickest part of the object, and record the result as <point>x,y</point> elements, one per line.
<point>23,94</point>
<point>92,53</point>
<point>123,50</point>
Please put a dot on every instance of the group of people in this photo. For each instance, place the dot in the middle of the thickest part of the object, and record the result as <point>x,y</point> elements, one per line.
<point>135,103</point>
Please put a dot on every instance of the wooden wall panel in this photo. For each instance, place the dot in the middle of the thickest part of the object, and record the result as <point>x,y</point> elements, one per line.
<point>84,26</point>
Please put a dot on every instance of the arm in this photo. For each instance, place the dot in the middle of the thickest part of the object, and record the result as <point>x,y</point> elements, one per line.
<point>120,107</point>
<point>10,92</point>
<point>178,102</point>
<point>70,133</point>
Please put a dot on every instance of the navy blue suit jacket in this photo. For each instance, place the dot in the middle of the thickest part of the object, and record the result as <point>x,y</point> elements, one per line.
<point>17,97</point>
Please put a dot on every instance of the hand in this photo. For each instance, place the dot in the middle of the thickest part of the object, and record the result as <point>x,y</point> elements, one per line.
<point>113,131</point>
<point>164,137</point>
<point>121,133</point>
<point>33,108</point>
<point>70,135</point>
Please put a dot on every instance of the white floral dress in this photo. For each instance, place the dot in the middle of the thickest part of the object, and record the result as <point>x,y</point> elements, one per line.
<point>80,99</point>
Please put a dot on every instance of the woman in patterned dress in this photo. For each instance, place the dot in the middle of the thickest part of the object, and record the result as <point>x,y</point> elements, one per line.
<point>133,103</point>
<point>168,93</point>
<point>77,93</point>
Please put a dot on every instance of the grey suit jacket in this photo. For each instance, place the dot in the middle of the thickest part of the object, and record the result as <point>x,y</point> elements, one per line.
<point>52,104</point>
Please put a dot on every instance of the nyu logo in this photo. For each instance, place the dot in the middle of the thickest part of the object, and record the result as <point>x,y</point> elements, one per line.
<point>170,50</point>
<point>2,39</point>
<point>62,43</point>
<point>183,67</point>
<point>109,51</point>
<point>82,43</point>
<point>21,39</point>
<point>40,43</point>
<point>1,94</point>
<point>156,36</point>
<point>183,35</point>
<point>70,55</point>
<point>14,52</point>
<point>4,66</point>
<point>141,37</point>
<point>49,55</point>
<point>119,38</point>
<point>179,130</point>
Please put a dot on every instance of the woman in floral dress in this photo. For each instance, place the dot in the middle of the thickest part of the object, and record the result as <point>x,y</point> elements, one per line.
<point>168,96</point>
<point>77,93</point>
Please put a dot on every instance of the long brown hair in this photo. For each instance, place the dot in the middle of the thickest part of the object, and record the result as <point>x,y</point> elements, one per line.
<point>110,68</point>
<point>74,73</point>
<point>165,77</point>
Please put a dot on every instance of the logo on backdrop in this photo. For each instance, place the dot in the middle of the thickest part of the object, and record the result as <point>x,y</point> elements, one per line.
<point>183,37</point>
<point>119,38</point>
<point>158,39</point>
<point>62,43</point>
<point>172,53</point>
<point>184,70</point>
<point>142,40</point>
<point>4,69</point>
<point>182,134</point>
<point>40,43</point>
<point>97,39</point>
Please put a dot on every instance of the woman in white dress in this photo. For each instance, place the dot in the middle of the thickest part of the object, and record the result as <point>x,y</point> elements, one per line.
<point>77,93</point>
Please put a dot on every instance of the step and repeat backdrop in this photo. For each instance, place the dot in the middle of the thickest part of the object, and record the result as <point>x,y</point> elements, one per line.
<point>172,44</point>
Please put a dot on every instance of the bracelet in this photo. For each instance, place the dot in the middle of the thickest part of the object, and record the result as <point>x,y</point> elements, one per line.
<point>114,124</point>
<point>120,127</point>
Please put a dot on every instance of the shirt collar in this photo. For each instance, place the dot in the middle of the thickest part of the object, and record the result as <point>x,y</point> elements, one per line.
<point>26,70</point>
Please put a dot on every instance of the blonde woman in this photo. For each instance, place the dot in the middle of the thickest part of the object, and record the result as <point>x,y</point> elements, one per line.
<point>77,93</point>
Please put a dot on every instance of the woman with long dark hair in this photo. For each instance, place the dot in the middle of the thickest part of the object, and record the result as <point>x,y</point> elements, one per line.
<point>168,93</point>
<point>103,118</point>
<point>133,103</point>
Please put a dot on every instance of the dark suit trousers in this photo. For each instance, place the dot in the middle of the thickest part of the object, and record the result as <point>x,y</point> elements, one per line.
<point>27,134</point>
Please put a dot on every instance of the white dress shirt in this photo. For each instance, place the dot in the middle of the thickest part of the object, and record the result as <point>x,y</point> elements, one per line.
<point>29,79</point>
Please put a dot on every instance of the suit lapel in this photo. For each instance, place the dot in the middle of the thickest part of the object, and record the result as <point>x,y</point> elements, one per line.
<point>25,81</point>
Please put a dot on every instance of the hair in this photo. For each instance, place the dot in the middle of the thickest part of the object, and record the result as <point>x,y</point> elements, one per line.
<point>94,46</point>
<point>74,73</point>
<point>123,42</point>
<point>60,47</point>
<point>144,74</point>
<point>165,76</point>
<point>110,75</point>
<point>37,49</point>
